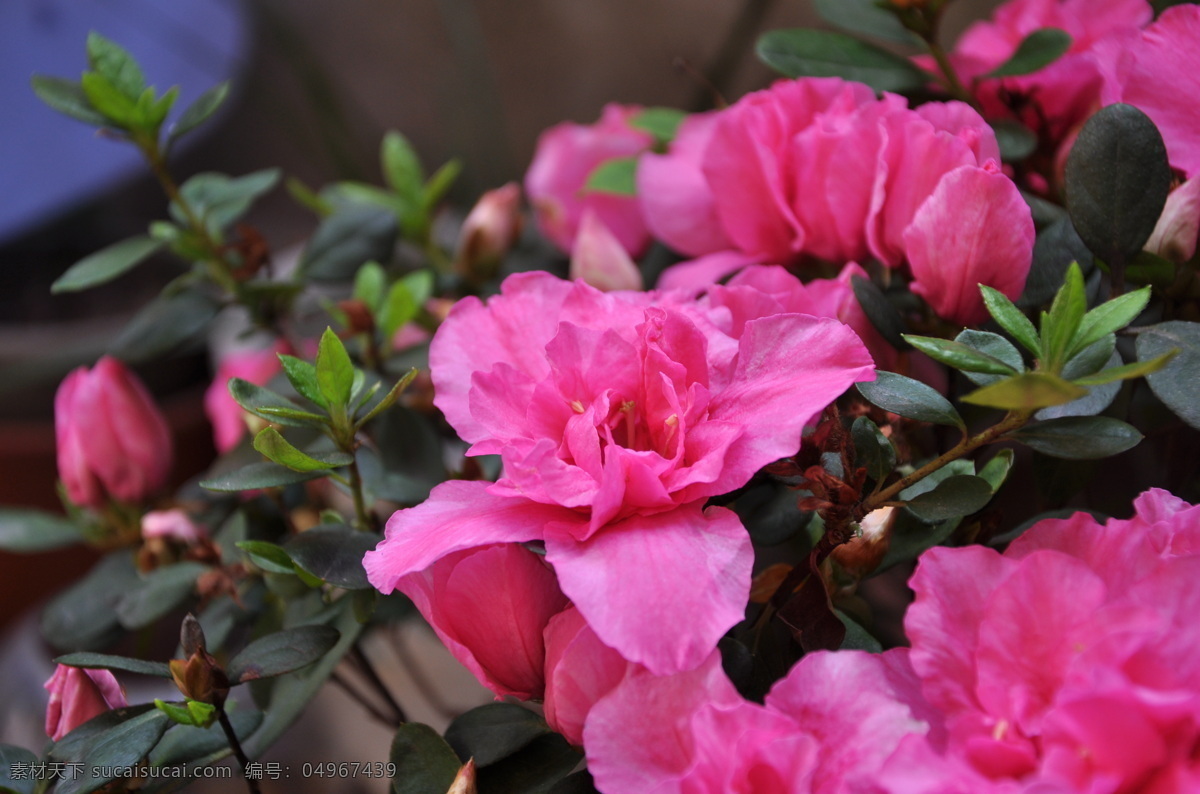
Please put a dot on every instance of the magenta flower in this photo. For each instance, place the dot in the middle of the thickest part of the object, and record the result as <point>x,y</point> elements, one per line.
<point>112,440</point>
<point>174,525</point>
<point>616,416</point>
<point>77,695</point>
<point>566,156</point>
<point>228,419</point>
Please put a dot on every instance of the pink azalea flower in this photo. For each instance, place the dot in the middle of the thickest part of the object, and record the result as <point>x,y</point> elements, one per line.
<point>77,695</point>
<point>228,419</point>
<point>616,416</point>
<point>1178,227</point>
<point>580,670</point>
<point>1068,661</point>
<point>112,440</point>
<point>1158,71</point>
<point>566,156</point>
<point>599,259</point>
<point>174,525</point>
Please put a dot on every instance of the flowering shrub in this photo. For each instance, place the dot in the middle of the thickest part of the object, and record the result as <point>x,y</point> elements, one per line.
<point>806,338</point>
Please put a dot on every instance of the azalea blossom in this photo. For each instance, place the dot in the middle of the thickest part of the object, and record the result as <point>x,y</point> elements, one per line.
<point>617,415</point>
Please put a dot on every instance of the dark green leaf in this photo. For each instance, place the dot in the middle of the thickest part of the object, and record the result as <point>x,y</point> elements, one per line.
<point>163,325</point>
<point>1117,180</point>
<point>425,764</point>
<point>111,750</point>
<point>184,744</point>
<point>1176,383</point>
<point>67,97</point>
<point>335,371</point>
<point>802,52</point>
<point>872,450</point>
<point>1096,400</point>
<point>662,123</point>
<point>495,731</point>
<point>28,531</point>
<point>116,65</point>
<point>303,377</point>
<point>1013,534</point>
<point>1028,391</point>
<point>83,617</point>
<point>1079,437</point>
<point>106,264</point>
<point>1092,358</point>
<point>1056,247</point>
<point>1109,317</point>
<point>880,311</point>
<point>576,783</point>
<point>960,356</point>
<point>101,94</point>
<point>105,661</point>
<point>1136,369</point>
<point>995,346</point>
<point>270,557</point>
<point>996,470</point>
<point>277,448</point>
<point>955,496</point>
<point>348,194</point>
<point>857,638</point>
<point>282,652</point>
<point>258,475</point>
<point>1061,324</point>
<point>334,554</point>
<point>410,453</point>
<point>1011,319</point>
<point>1015,139</point>
<point>159,592</point>
<point>1036,51</point>
<point>533,770</point>
<point>273,407</point>
<point>346,239</point>
<point>199,111</point>
<point>911,536</point>
<point>1151,269</point>
<point>866,17</point>
<point>617,176</point>
<point>910,398</point>
<point>11,756</point>
<point>221,199</point>
<point>402,168</point>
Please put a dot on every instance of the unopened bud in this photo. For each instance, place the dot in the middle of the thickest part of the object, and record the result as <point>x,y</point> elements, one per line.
<point>862,554</point>
<point>198,677</point>
<point>489,231</point>
<point>464,781</point>
<point>1174,236</point>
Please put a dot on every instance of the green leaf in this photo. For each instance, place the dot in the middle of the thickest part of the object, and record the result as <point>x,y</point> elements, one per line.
<point>275,447</point>
<point>108,751</point>
<point>1011,319</point>
<point>494,731</point>
<point>910,398</point>
<point>83,617</point>
<point>866,17</point>
<point>1026,392</point>
<point>27,531</point>
<point>159,592</point>
<point>1016,141</point>
<point>857,638</point>
<point>1098,397</point>
<point>994,346</point>
<point>282,652</point>
<point>534,769</point>
<point>258,475</point>
<point>163,325</point>
<point>960,356</point>
<point>662,123</point>
<point>370,284</point>
<point>199,111</point>
<point>953,497</point>
<point>1108,317</point>
<point>1056,247</point>
<point>1079,437</point>
<point>770,514</point>
<point>334,554</point>
<point>439,184</point>
<point>221,199</point>
<point>273,407</point>
<point>409,463</point>
<point>116,65</point>
<point>872,449</point>
<point>1151,269</point>
<point>880,311</point>
<point>1061,324</point>
<point>402,168</point>
<point>303,377</point>
<point>106,264</point>
<point>68,98</point>
<point>105,661</point>
<point>18,757</point>
<point>575,783</point>
<point>271,557</point>
<point>1036,51</point>
<point>404,301</point>
<point>389,399</point>
<point>1117,181</point>
<point>161,107</point>
<point>425,764</point>
<point>101,94</point>
<point>1092,358</point>
<point>347,239</point>
<point>185,744</point>
<point>335,372</point>
<point>911,536</point>
<point>802,52</point>
<point>617,176</point>
<point>995,472</point>
<point>1137,369</point>
<point>1175,384</point>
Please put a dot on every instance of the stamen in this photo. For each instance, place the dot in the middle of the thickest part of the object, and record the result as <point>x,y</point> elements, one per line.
<point>577,406</point>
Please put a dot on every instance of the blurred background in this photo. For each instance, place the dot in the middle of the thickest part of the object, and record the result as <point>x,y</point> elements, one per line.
<point>316,84</point>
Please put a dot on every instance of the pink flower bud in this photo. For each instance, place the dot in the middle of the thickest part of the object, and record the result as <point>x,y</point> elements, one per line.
<point>600,260</point>
<point>579,671</point>
<point>77,695</point>
<point>489,231</point>
<point>1174,236</point>
<point>227,417</point>
<point>112,439</point>
<point>172,524</point>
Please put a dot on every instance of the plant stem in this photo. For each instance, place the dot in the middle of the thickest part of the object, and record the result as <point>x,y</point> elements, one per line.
<point>236,746</point>
<point>363,701</point>
<point>368,671</point>
<point>950,76</point>
<point>362,518</point>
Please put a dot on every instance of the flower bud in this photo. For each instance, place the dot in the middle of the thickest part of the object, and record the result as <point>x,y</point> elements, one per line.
<point>112,440</point>
<point>464,781</point>
<point>863,553</point>
<point>1174,236</point>
<point>489,231</point>
<point>579,671</point>
<point>77,695</point>
<point>173,525</point>
<point>599,259</point>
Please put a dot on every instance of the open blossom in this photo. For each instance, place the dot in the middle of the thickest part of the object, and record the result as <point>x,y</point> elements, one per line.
<point>1065,664</point>
<point>616,416</point>
<point>820,168</point>
<point>77,695</point>
<point>566,156</point>
<point>112,440</point>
